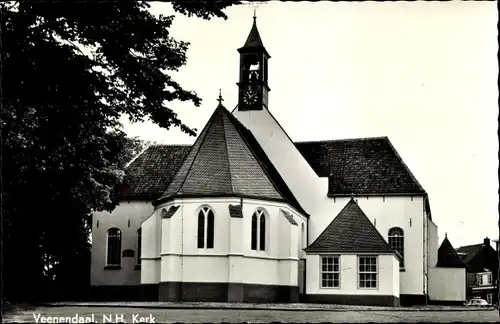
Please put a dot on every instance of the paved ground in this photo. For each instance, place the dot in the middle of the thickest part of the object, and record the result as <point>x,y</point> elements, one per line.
<point>198,315</point>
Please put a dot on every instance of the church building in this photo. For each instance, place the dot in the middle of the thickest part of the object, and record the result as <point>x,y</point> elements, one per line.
<point>245,214</point>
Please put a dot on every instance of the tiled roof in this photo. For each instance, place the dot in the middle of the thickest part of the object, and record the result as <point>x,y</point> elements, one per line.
<point>360,166</point>
<point>226,160</point>
<point>448,257</point>
<point>150,173</point>
<point>351,231</point>
<point>468,252</point>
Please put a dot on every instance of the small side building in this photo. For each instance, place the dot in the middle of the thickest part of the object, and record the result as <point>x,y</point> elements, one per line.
<point>351,263</point>
<point>447,277</point>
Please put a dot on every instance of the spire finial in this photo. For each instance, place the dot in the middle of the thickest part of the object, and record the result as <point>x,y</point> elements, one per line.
<point>445,234</point>
<point>220,100</point>
<point>254,14</point>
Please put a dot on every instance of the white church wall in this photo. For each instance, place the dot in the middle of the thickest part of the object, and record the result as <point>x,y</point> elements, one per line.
<point>311,192</point>
<point>433,244</point>
<point>447,284</point>
<point>388,276</point>
<point>134,212</point>
<point>150,249</point>
<point>293,168</point>
<point>181,260</point>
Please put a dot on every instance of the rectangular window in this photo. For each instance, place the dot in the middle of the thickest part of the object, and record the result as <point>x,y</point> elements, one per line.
<point>489,298</point>
<point>367,271</point>
<point>330,272</point>
<point>484,279</point>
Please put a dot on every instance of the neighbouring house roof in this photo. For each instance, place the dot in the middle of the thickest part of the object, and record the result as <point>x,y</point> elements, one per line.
<point>362,166</point>
<point>448,257</point>
<point>226,160</point>
<point>468,252</point>
<point>352,232</point>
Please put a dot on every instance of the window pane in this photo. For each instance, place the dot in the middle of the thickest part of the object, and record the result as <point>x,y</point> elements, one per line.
<point>114,247</point>
<point>262,233</point>
<point>210,229</point>
<point>254,232</point>
<point>201,230</point>
<point>139,238</point>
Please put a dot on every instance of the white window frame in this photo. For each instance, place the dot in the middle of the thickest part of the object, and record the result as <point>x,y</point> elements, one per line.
<point>138,234</point>
<point>398,235</point>
<point>332,271</point>
<point>359,273</point>
<point>205,210</point>
<point>260,212</point>
<point>120,233</point>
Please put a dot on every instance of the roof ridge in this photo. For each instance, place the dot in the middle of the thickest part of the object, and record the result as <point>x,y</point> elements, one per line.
<point>264,169</point>
<point>341,140</point>
<point>227,148</point>
<point>196,154</point>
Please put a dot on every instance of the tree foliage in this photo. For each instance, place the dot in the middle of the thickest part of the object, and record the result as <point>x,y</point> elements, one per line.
<point>70,70</point>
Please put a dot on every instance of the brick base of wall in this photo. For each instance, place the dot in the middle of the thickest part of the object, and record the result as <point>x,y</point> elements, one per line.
<point>413,300</point>
<point>125,293</point>
<point>366,300</point>
<point>226,292</point>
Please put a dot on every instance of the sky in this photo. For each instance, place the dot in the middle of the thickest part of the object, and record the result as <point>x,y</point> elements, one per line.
<point>423,74</point>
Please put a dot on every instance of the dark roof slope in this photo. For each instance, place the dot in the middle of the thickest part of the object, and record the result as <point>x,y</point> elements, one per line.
<point>253,41</point>
<point>150,173</point>
<point>226,160</point>
<point>468,252</point>
<point>365,166</point>
<point>360,166</point>
<point>448,257</point>
<point>351,231</point>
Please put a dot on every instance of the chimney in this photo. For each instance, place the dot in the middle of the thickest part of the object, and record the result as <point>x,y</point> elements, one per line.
<point>487,241</point>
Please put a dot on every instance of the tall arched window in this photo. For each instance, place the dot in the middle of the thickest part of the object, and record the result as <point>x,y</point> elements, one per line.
<point>397,242</point>
<point>114,247</point>
<point>258,240</point>
<point>139,238</point>
<point>206,220</point>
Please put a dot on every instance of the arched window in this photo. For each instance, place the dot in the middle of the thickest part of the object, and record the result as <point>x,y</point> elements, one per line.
<point>258,240</point>
<point>114,247</point>
<point>206,220</point>
<point>396,241</point>
<point>139,238</point>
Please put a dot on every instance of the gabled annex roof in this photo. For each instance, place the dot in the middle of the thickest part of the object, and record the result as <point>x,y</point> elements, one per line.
<point>352,232</point>
<point>227,161</point>
<point>448,257</point>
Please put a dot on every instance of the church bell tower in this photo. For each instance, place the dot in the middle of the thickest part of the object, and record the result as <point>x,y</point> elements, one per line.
<point>252,87</point>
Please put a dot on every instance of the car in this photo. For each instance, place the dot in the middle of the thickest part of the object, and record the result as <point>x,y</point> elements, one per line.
<point>477,302</point>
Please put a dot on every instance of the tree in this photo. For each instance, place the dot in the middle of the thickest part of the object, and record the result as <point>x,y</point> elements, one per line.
<point>62,144</point>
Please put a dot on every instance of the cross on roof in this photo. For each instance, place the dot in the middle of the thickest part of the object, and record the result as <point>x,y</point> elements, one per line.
<point>220,100</point>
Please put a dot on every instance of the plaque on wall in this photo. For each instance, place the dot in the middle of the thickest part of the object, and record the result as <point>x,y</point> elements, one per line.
<point>128,253</point>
